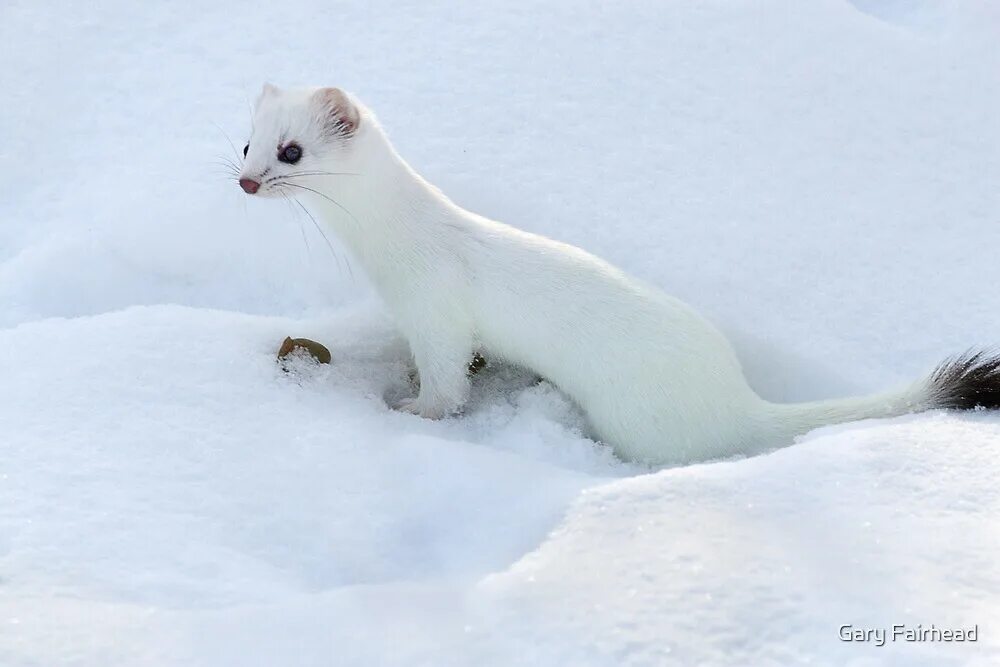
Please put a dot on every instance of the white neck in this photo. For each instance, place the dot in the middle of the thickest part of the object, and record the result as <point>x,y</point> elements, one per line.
<point>383,209</point>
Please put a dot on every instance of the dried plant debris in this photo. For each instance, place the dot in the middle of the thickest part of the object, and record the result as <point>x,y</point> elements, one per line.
<point>317,351</point>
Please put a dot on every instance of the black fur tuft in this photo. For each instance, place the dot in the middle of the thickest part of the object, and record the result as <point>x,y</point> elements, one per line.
<point>967,382</point>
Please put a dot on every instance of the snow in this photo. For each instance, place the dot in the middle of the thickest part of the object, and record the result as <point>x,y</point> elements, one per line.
<point>818,178</point>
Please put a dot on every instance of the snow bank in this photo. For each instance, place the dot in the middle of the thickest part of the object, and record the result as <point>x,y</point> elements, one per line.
<point>820,178</point>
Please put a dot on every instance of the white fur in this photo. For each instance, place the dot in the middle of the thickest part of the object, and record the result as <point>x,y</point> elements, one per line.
<point>656,380</point>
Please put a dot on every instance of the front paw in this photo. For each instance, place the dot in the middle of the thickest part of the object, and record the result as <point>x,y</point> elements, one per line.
<point>415,406</point>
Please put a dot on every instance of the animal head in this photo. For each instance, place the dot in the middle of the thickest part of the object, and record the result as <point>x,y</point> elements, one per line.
<point>298,136</point>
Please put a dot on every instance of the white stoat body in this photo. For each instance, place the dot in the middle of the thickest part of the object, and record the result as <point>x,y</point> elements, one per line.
<point>657,381</point>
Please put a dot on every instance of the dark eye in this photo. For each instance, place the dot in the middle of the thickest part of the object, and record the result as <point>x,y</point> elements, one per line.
<point>246,149</point>
<point>290,154</point>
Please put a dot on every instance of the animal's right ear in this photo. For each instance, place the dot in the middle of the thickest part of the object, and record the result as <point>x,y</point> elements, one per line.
<point>269,90</point>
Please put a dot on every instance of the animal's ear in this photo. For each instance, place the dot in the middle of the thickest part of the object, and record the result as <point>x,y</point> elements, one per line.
<point>337,110</point>
<point>269,90</point>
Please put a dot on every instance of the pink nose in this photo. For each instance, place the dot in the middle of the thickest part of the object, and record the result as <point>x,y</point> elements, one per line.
<point>249,186</point>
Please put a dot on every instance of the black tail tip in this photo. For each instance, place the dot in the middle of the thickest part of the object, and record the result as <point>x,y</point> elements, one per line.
<point>969,381</point>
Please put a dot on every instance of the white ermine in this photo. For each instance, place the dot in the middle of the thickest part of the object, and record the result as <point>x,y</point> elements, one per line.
<point>657,381</point>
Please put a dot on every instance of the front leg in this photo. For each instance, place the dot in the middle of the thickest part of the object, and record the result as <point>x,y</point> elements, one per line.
<point>442,359</point>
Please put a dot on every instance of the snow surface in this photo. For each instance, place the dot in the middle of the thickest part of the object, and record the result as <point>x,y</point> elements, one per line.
<point>820,178</point>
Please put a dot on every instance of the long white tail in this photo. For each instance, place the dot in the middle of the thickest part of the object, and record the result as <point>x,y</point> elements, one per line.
<point>968,381</point>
